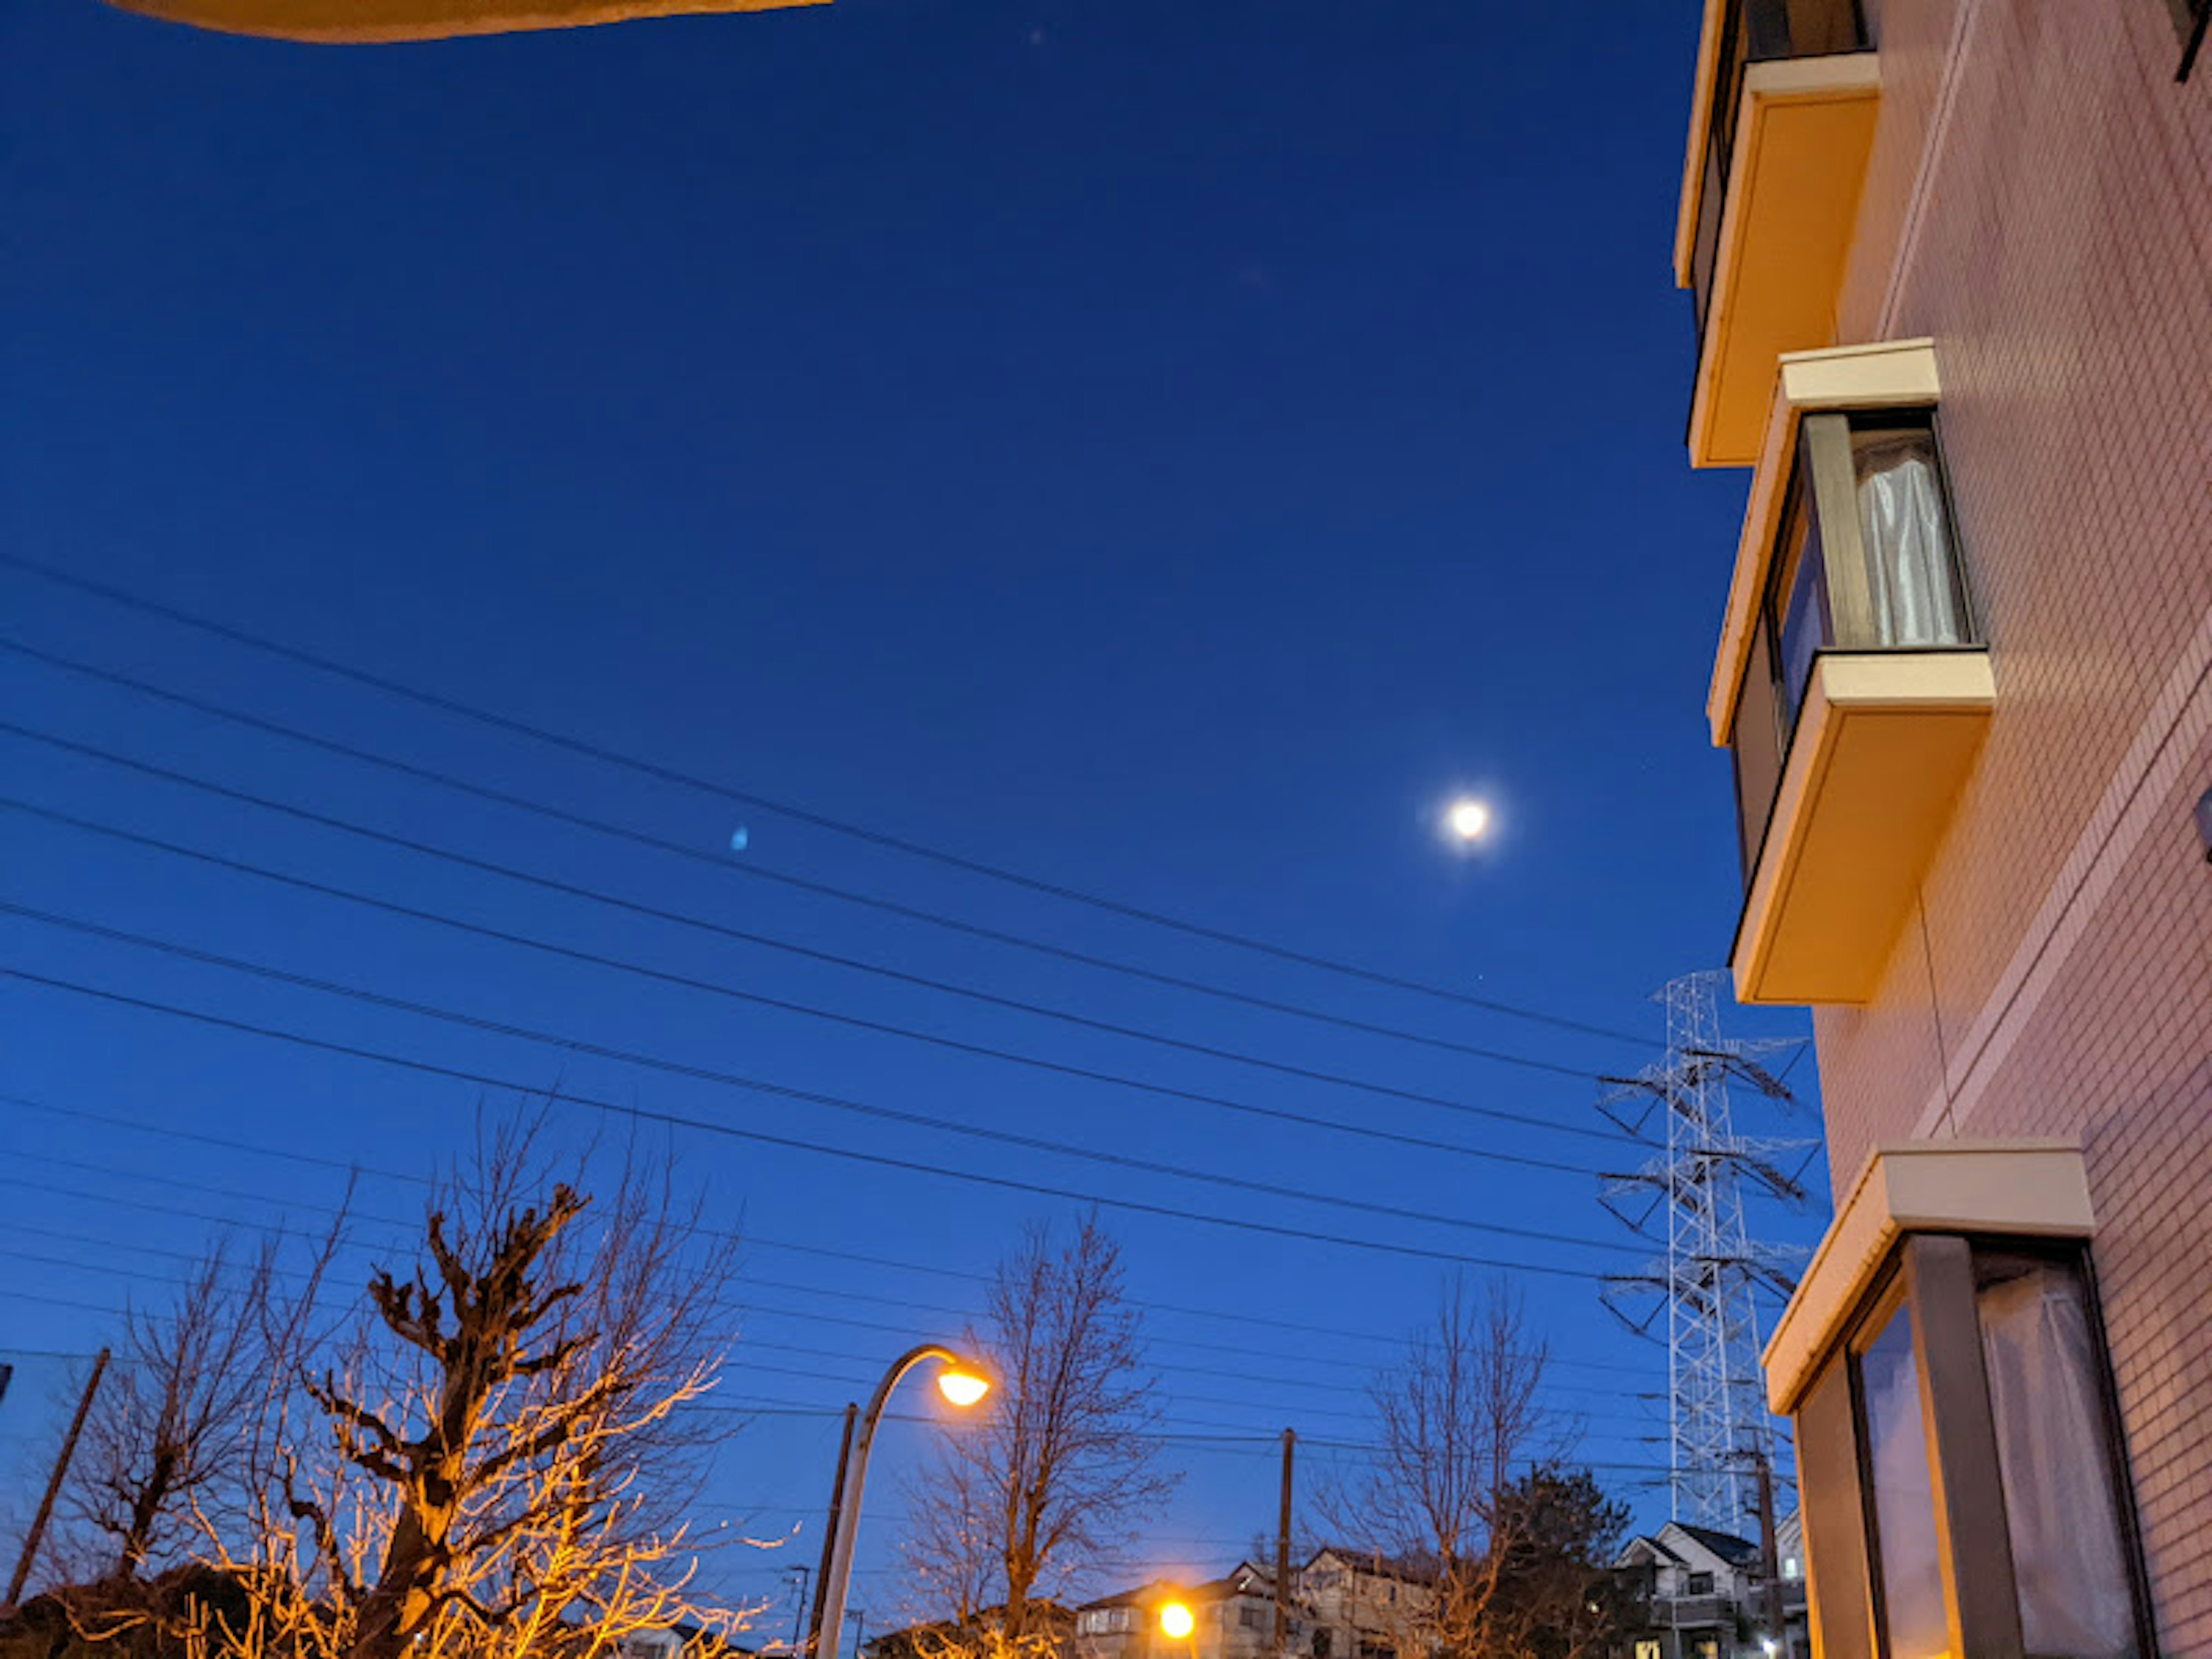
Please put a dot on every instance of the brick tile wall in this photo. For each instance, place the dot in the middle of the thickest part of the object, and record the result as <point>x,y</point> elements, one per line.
<point>2056,976</point>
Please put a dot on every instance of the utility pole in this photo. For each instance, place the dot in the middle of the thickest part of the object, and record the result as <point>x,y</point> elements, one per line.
<point>1283,1551</point>
<point>798,1605</point>
<point>829,1532</point>
<point>37,1531</point>
<point>1769,1555</point>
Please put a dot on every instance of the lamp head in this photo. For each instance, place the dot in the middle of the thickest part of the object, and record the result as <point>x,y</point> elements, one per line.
<point>961,1383</point>
<point>1177,1621</point>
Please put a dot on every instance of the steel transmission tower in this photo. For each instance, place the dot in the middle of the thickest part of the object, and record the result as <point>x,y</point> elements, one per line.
<point>1702,1293</point>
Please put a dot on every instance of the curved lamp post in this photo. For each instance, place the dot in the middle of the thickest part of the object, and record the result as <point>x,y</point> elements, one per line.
<point>959,1382</point>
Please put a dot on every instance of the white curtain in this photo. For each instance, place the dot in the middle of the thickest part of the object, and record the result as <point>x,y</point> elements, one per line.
<point>1908,555</point>
<point>2057,1470</point>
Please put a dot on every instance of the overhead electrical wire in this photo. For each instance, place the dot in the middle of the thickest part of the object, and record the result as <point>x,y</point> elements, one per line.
<point>751,1240</point>
<point>759,999</point>
<point>1178,1171</point>
<point>708,1126</point>
<point>758,801</point>
<point>743,1344</point>
<point>37,1260</point>
<point>746,1306</point>
<point>753,867</point>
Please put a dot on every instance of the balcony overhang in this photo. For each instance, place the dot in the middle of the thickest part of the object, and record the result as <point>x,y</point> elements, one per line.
<point>373,21</point>
<point>1803,134</point>
<point>2020,1188</point>
<point>1888,374</point>
<point>1883,742</point>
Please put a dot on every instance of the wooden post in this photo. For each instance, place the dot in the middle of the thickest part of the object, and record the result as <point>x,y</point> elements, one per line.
<point>1283,1553</point>
<point>1769,1555</point>
<point>32,1538</point>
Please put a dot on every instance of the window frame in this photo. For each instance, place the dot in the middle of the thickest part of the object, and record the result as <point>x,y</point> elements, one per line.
<point>1819,499</point>
<point>2190,18</point>
<point>1929,1277</point>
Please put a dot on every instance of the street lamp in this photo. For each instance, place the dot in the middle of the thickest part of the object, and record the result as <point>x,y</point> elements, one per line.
<point>961,1383</point>
<point>1177,1622</point>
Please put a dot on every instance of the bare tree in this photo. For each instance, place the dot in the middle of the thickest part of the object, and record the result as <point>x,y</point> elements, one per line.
<point>489,1462</point>
<point>1052,1476</point>
<point>1455,1421</point>
<point>173,1420</point>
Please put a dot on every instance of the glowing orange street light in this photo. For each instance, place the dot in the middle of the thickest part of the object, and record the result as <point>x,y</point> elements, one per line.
<point>961,1383</point>
<point>1177,1622</point>
<point>962,1386</point>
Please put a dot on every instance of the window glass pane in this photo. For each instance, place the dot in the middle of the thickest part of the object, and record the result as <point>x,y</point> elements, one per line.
<point>1755,745</point>
<point>2056,1459</point>
<point>1913,1615</point>
<point>1800,602</point>
<point>1911,576</point>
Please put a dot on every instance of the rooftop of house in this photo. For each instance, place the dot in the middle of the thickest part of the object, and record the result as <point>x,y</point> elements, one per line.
<point>1687,1545</point>
<point>1736,1551</point>
<point>1373,1563</point>
<point>1244,1579</point>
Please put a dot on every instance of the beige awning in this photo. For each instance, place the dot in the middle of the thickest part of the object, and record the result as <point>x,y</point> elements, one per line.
<point>339,23</point>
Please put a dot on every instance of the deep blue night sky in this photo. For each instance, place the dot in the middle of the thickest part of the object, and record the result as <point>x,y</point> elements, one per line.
<point>1164,449</point>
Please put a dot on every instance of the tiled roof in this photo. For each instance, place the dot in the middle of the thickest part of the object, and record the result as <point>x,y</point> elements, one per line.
<point>1736,1551</point>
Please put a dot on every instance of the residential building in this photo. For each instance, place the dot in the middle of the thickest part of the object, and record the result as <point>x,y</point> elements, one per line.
<point>1233,1615</point>
<point>1048,1621</point>
<point>1364,1605</point>
<point>1698,1594</point>
<point>1951,270</point>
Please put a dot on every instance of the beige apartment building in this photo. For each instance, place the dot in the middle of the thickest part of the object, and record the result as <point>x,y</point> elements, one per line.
<point>1951,265</point>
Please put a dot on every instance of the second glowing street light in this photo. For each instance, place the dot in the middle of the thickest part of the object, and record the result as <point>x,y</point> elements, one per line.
<point>959,1382</point>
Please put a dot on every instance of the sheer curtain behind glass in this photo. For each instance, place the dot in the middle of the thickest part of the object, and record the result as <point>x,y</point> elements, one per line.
<point>1916,600</point>
<point>2055,1458</point>
<point>1914,1616</point>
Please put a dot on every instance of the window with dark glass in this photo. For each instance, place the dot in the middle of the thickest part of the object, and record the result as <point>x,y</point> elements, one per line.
<point>1909,1579</point>
<point>1865,560</point>
<point>1701,1583</point>
<point>1755,31</point>
<point>1972,1486</point>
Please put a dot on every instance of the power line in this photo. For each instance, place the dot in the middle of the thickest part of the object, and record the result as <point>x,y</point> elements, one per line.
<point>745,1346</point>
<point>744,1306</point>
<point>797,814</point>
<point>740,1307</point>
<point>754,867</point>
<point>731,1079</point>
<point>737,1362</point>
<point>705,1126</point>
<point>750,1240</point>
<point>678,918</point>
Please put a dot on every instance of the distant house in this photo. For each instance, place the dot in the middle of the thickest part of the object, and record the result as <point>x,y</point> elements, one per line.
<point>1698,1594</point>
<point>1234,1614</point>
<point>683,1641</point>
<point>1364,1605</point>
<point>937,1637</point>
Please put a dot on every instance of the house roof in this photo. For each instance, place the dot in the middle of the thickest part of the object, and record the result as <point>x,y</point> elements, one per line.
<point>1374,1563</point>
<point>1244,1579</point>
<point>1651,1546</point>
<point>1736,1551</point>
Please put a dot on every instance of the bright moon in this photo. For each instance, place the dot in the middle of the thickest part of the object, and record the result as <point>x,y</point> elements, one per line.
<point>1467,820</point>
